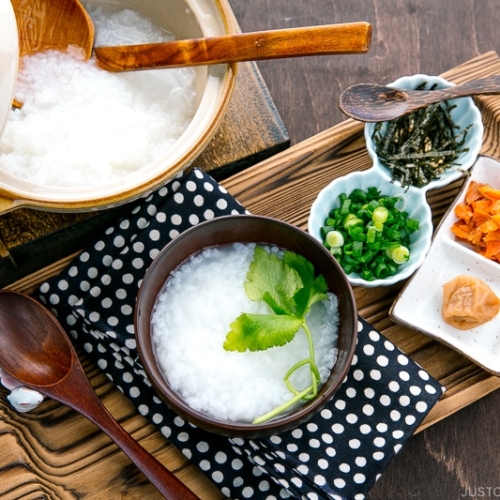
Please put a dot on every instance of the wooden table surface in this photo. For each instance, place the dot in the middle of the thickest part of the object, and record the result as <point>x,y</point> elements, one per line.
<point>453,459</point>
<point>459,456</point>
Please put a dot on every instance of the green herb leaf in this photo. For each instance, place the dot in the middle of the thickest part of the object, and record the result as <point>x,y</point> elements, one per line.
<point>257,332</point>
<point>271,280</point>
<point>313,289</point>
<point>288,286</point>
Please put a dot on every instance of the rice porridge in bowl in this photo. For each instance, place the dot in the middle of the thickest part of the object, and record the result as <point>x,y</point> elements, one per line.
<point>85,137</point>
<point>245,325</point>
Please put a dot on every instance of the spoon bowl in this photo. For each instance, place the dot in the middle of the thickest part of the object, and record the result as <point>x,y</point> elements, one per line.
<point>53,24</point>
<point>35,350</point>
<point>375,103</point>
<point>412,200</point>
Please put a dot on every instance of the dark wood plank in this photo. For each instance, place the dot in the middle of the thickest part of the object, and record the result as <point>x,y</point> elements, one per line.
<point>409,36</point>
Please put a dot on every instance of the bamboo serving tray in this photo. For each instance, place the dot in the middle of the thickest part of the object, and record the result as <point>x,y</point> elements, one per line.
<point>54,453</point>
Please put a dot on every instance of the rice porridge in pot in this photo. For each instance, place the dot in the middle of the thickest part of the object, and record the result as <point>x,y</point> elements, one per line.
<point>92,165</point>
<point>81,125</point>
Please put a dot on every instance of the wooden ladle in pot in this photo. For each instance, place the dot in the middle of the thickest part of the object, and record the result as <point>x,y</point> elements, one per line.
<point>343,38</point>
<point>66,25</point>
<point>53,24</point>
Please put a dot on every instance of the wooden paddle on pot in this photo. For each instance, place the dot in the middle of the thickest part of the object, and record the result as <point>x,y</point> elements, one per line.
<point>53,24</point>
<point>347,38</point>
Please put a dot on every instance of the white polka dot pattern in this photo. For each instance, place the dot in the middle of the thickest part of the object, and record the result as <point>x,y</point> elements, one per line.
<point>338,454</point>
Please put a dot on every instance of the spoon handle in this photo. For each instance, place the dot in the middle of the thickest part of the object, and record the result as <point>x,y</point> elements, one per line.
<point>346,38</point>
<point>486,86</point>
<point>76,392</point>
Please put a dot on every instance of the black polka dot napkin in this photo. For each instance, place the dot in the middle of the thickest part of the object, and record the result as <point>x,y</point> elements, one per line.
<point>338,454</point>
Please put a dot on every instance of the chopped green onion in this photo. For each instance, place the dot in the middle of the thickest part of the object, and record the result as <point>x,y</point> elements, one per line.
<point>344,209</point>
<point>413,224</point>
<point>380,214</point>
<point>351,220</point>
<point>334,239</point>
<point>357,249</point>
<point>399,255</point>
<point>373,238</point>
<point>371,234</point>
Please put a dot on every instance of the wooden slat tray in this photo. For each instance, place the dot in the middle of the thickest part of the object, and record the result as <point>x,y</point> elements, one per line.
<point>285,187</point>
<point>54,453</point>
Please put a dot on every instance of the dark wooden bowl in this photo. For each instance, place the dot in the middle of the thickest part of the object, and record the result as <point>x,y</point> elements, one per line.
<point>246,228</point>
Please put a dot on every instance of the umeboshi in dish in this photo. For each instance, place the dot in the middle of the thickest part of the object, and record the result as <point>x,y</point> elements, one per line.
<point>468,302</point>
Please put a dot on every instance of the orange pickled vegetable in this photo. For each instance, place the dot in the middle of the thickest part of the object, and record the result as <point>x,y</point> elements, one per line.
<point>478,220</point>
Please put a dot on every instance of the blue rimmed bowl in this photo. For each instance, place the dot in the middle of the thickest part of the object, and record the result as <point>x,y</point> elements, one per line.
<point>413,202</point>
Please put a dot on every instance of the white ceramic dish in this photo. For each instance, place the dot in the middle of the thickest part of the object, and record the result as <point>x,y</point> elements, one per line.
<point>413,201</point>
<point>414,198</point>
<point>419,303</point>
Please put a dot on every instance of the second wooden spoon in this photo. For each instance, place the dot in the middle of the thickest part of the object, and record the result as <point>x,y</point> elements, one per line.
<point>369,102</point>
<point>35,350</point>
<point>347,38</point>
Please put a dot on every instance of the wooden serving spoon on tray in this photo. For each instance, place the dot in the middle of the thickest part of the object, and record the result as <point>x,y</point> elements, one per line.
<point>376,103</point>
<point>35,351</point>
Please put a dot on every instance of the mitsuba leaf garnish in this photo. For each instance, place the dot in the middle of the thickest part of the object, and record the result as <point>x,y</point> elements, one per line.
<point>258,332</point>
<point>289,287</point>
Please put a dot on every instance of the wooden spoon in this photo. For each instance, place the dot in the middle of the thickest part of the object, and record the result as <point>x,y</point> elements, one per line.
<point>369,102</point>
<point>53,24</point>
<point>347,38</point>
<point>35,350</point>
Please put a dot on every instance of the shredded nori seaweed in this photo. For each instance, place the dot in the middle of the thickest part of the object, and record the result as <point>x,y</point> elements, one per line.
<point>419,146</point>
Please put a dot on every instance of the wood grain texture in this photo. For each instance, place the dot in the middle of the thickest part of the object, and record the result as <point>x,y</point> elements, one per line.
<point>52,24</point>
<point>347,38</point>
<point>452,459</point>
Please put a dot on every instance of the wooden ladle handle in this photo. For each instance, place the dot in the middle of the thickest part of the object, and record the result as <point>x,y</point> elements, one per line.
<point>346,38</point>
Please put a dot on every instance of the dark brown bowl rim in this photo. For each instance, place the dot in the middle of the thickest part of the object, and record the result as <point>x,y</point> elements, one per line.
<point>200,419</point>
